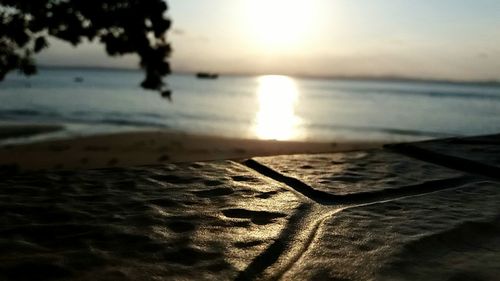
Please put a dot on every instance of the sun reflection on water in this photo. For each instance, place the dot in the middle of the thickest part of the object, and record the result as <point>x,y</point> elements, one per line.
<point>277,97</point>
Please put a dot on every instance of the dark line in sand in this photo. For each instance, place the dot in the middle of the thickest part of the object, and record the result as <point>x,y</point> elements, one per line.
<point>312,233</point>
<point>285,241</point>
<point>453,162</point>
<point>294,183</point>
<point>426,187</point>
<point>292,232</point>
<point>326,198</point>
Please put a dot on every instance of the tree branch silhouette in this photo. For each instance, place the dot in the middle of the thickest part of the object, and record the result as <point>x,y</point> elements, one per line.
<point>123,26</point>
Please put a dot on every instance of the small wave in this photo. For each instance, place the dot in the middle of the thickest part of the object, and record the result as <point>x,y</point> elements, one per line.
<point>446,94</point>
<point>212,118</point>
<point>391,131</point>
<point>327,92</point>
<point>124,122</point>
<point>80,118</point>
<point>25,113</point>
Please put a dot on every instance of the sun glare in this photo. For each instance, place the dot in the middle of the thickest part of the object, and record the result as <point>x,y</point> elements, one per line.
<point>279,24</point>
<point>276,119</point>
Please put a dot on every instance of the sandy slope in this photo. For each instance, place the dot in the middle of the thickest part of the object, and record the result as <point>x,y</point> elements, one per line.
<point>198,221</point>
<point>447,235</point>
<point>147,148</point>
<point>223,220</point>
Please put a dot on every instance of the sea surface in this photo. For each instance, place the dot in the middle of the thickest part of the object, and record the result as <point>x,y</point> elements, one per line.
<point>263,107</point>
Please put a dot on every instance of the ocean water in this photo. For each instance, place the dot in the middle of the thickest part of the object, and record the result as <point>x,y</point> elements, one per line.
<point>263,107</point>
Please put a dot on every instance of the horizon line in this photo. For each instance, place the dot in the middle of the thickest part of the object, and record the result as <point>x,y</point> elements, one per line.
<point>361,77</point>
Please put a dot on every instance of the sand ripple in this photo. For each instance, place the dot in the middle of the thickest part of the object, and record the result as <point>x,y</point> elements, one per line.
<point>354,172</point>
<point>195,221</point>
<point>447,235</point>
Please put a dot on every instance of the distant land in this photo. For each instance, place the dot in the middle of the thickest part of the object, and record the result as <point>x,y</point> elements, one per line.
<point>385,78</point>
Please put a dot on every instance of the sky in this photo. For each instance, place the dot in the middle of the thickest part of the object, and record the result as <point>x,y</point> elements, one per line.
<point>436,39</point>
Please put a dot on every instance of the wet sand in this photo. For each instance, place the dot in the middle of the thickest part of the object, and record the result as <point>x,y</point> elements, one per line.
<point>150,148</point>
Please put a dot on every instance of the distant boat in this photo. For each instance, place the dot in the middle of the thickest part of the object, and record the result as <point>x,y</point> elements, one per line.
<point>78,79</point>
<point>207,75</point>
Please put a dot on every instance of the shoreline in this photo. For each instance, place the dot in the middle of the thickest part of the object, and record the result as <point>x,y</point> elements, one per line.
<point>10,130</point>
<point>152,148</point>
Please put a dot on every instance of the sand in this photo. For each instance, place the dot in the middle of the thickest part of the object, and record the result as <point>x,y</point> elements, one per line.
<point>358,172</point>
<point>149,148</point>
<point>447,235</point>
<point>375,214</point>
<point>223,220</point>
<point>196,221</point>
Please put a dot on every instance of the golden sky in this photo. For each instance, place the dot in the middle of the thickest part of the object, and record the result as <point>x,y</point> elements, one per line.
<point>450,39</point>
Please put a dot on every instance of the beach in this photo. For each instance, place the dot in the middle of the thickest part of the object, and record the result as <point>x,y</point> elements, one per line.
<point>147,148</point>
<point>119,206</point>
<point>172,140</point>
<point>103,182</point>
<point>167,206</point>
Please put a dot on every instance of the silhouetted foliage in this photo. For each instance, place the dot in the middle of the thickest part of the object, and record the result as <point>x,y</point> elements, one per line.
<point>123,26</point>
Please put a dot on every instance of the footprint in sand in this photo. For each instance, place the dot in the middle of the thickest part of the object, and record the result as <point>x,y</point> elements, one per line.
<point>175,179</point>
<point>190,256</point>
<point>248,244</point>
<point>267,195</point>
<point>181,226</point>
<point>257,217</point>
<point>244,179</point>
<point>213,182</point>
<point>163,202</point>
<point>214,192</point>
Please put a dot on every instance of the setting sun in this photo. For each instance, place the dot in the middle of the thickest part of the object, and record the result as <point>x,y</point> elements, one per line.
<point>276,118</point>
<point>279,25</point>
